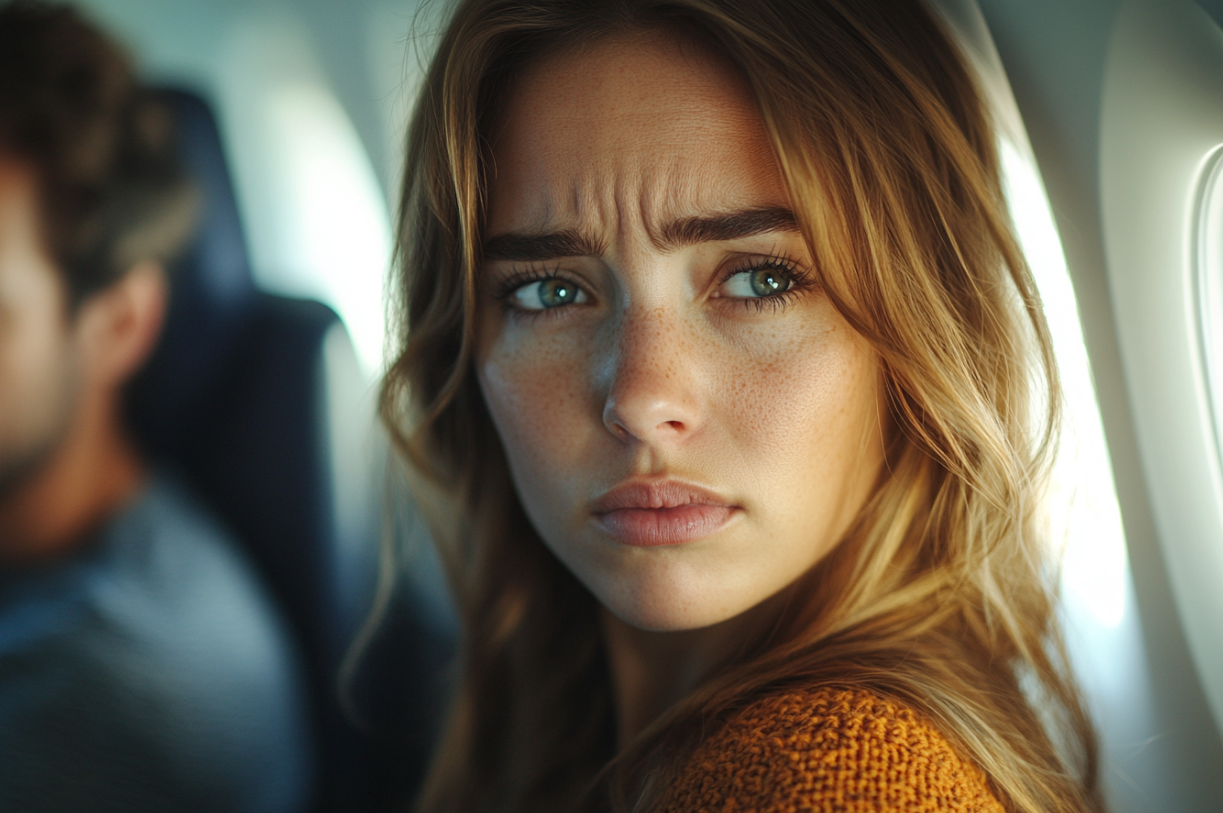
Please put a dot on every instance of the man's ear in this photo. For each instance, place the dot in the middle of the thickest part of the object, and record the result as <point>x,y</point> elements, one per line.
<point>117,328</point>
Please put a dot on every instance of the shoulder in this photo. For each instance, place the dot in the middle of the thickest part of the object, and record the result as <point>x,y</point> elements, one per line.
<point>830,749</point>
<point>166,534</point>
<point>158,670</point>
<point>174,594</point>
<point>79,732</point>
<point>172,576</point>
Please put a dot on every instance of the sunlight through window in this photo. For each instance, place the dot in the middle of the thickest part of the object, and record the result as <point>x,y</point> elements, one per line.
<point>1082,508</point>
<point>1208,273</point>
<point>340,232</point>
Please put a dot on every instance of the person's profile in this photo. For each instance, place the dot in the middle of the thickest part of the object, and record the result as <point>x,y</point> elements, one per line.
<point>143,667</point>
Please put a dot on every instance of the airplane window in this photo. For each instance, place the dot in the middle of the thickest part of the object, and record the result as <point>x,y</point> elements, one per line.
<point>1082,505</point>
<point>1160,124</point>
<point>1208,271</point>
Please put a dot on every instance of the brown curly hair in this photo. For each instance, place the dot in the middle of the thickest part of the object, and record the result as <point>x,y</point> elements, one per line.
<point>111,189</point>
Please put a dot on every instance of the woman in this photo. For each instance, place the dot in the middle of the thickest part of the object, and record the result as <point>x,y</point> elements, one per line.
<point>731,398</point>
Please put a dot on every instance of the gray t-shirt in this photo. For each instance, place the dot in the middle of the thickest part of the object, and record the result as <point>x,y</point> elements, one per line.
<point>150,673</point>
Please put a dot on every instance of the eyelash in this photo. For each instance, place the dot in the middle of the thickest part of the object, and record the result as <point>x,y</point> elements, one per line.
<point>801,281</point>
<point>503,289</point>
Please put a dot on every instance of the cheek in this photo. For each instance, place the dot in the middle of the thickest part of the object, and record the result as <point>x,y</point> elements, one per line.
<point>38,385</point>
<point>804,418</point>
<point>536,393</point>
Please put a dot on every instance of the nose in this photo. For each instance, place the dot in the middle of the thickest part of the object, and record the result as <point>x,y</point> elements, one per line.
<point>653,392</point>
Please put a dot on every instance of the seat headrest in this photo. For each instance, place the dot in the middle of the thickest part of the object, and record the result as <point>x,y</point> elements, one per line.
<point>211,289</point>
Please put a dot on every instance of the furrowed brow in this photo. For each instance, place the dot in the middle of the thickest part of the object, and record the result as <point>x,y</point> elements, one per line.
<point>683,232</point>
<point>730,226</point>
<point>540,247</point>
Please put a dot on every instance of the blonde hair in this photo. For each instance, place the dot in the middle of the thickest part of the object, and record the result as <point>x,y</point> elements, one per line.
<point>941,594</point>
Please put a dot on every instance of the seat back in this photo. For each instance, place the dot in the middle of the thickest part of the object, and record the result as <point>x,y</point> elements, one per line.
<point>239,398</point>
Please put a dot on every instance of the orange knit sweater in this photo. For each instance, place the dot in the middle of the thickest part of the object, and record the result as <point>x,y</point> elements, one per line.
<point>829,750</point>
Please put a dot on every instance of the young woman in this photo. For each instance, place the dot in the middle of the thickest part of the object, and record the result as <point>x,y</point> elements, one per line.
<point>730,398</point>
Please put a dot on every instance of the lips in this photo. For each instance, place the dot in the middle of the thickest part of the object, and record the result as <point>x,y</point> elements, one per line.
<point>660,513</point>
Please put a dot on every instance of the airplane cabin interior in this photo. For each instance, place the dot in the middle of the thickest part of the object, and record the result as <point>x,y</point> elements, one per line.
<point>263,391</point>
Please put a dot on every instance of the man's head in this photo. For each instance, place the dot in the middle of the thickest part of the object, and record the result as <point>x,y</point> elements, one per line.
<point>92,203</point>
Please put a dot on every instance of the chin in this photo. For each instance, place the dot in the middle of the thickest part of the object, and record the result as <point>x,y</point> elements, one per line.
<point>670,602</point>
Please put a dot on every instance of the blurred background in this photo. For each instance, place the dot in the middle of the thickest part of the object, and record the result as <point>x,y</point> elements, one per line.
<point>294,124</point>
<point>311,98</point>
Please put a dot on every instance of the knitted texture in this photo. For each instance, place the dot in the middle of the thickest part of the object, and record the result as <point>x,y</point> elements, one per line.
<point>828,750</point>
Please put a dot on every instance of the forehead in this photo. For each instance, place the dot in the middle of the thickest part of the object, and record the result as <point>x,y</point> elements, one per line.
<point>648,127</point>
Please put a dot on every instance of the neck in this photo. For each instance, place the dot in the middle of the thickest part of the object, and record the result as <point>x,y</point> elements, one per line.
<point>94,472</point>
<point>651,671</point>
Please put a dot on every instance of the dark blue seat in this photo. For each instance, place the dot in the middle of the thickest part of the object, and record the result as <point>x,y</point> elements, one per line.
<point>240,398</point>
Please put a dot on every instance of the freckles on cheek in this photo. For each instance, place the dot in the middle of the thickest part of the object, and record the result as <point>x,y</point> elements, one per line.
<point>534,391</point>
<point>803,401</point>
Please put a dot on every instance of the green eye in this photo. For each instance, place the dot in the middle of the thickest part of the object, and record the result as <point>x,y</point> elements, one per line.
<point>548,293</point>
<point>758,282</point>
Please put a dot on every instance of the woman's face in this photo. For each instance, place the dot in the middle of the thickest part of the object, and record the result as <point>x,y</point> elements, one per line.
<point>690,424</point>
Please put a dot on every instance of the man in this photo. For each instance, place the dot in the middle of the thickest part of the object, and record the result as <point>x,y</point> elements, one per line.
<point>141,666</point>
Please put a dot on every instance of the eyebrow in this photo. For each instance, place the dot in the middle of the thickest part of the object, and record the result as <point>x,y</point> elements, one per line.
<point>527,247</point>
<point>538,247</point>
<point>730,226</point>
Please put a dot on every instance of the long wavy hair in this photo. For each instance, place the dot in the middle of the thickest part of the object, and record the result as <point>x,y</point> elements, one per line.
<point>941,594</point>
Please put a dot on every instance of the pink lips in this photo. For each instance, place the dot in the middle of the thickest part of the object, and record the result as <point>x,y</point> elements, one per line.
<point>665,512</point>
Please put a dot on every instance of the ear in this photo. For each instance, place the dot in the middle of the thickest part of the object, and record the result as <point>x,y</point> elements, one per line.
<point>118,327</point>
